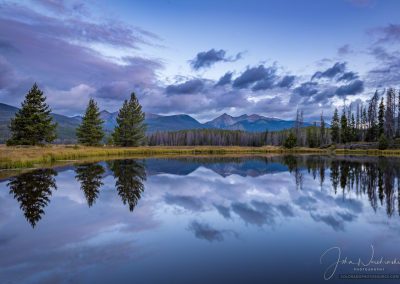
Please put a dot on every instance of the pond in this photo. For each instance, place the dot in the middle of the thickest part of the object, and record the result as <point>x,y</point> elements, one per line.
<point>270,219</point>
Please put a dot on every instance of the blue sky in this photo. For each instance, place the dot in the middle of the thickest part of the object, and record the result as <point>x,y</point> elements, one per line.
<point>274,56</point>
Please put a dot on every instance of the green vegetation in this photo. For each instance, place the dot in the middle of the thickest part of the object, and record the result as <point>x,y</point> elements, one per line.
<point>383,142</point>
<point>335,127</point>
<point>130,129</point>
<point>90,131</point>
<point>32,124</point>
<point>290,141</point>
<point>17,157</point>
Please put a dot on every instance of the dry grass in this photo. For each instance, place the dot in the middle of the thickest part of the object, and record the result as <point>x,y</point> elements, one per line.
<point>369,152</point>
<point>29,157</point>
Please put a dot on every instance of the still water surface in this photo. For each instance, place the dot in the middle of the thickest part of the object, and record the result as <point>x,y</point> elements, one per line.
<point>202,220</point>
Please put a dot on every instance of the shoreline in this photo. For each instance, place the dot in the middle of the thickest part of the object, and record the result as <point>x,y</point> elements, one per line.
<point>36,156</point>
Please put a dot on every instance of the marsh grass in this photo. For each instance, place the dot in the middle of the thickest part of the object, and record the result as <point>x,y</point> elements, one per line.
<point>30,157</point>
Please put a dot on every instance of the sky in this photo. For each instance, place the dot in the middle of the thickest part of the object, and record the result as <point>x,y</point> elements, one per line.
<point>202,58</point>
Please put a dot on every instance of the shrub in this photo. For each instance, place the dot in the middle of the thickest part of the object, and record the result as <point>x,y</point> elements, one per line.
<point>383,142</point>
<point>290,141</point>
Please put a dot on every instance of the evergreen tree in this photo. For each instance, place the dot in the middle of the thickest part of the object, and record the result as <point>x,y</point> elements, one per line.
<point>398,118</point>
<point>130,129</point>
<point>322,130</point>
<point>90,132</point>
<point>353,130</point>
<point>344,130</point>
<point>390,113</point>
<point>335,128</point>
<point>373,129</point>
<point>291,141</point>
<point>383,142</point>
<point>363,123</point>
<point>32,124</point>
<point>381,118</point>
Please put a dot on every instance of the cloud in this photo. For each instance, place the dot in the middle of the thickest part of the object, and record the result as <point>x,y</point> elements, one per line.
<point>206,59</point>
<point>74,28</point>
<point>260,75</point>
<point>225,79</point>
<point>353,88</point>
<point>287,81</point>
<point>6,73</point>
<point>336,69</point>
<point>335,223</point>
<point>74,99</point>
<point>188,202</point>
<point>224,211</point>
<point>286,210</point>
<point>61,58</point>
<point>206,232</point>
<point>348,76</point>
<point>55,5</point>
<point>345,50</point>
<point>307,89</point>
<point>387,71</point>
<point>387,34</point>
<point>189,87</point>
<point>248,214</point>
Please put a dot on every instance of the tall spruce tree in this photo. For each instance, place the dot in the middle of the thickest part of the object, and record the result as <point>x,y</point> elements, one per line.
<point>381,118</point>
<point>90,131</point>
<point>390,113</point>
<point>33,124</point>
<point>353,130</point>
<point>322,129</point>
<point>344,128</point>
<point>372,131</point>
<point>130,129</point>
<point>335,127</point>
<point>398,117</point>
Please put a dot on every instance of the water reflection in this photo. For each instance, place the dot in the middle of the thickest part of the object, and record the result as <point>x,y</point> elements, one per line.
<point>129,175</point>
<point>90,177</point>
<point>32,191</point>
<point>198,218</point>
<point>375,177</point>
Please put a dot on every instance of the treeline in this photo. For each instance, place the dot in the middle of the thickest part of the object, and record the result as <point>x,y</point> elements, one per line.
<point>379,121</point>
<point>33,124</point>
<point>310,136</point>
<point>213,137</point>
<point>218,137</point>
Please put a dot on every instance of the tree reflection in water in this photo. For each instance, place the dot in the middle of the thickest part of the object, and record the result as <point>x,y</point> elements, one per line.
<point>129,175</point>
<point>375,176</point>
<point>90,177</point>
<point>33,190</point>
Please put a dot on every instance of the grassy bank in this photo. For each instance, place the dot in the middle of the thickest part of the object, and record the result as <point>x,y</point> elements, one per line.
<point>29,157</point>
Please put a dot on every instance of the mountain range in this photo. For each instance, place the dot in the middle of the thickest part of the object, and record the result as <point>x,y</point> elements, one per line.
<point>67,125</point>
